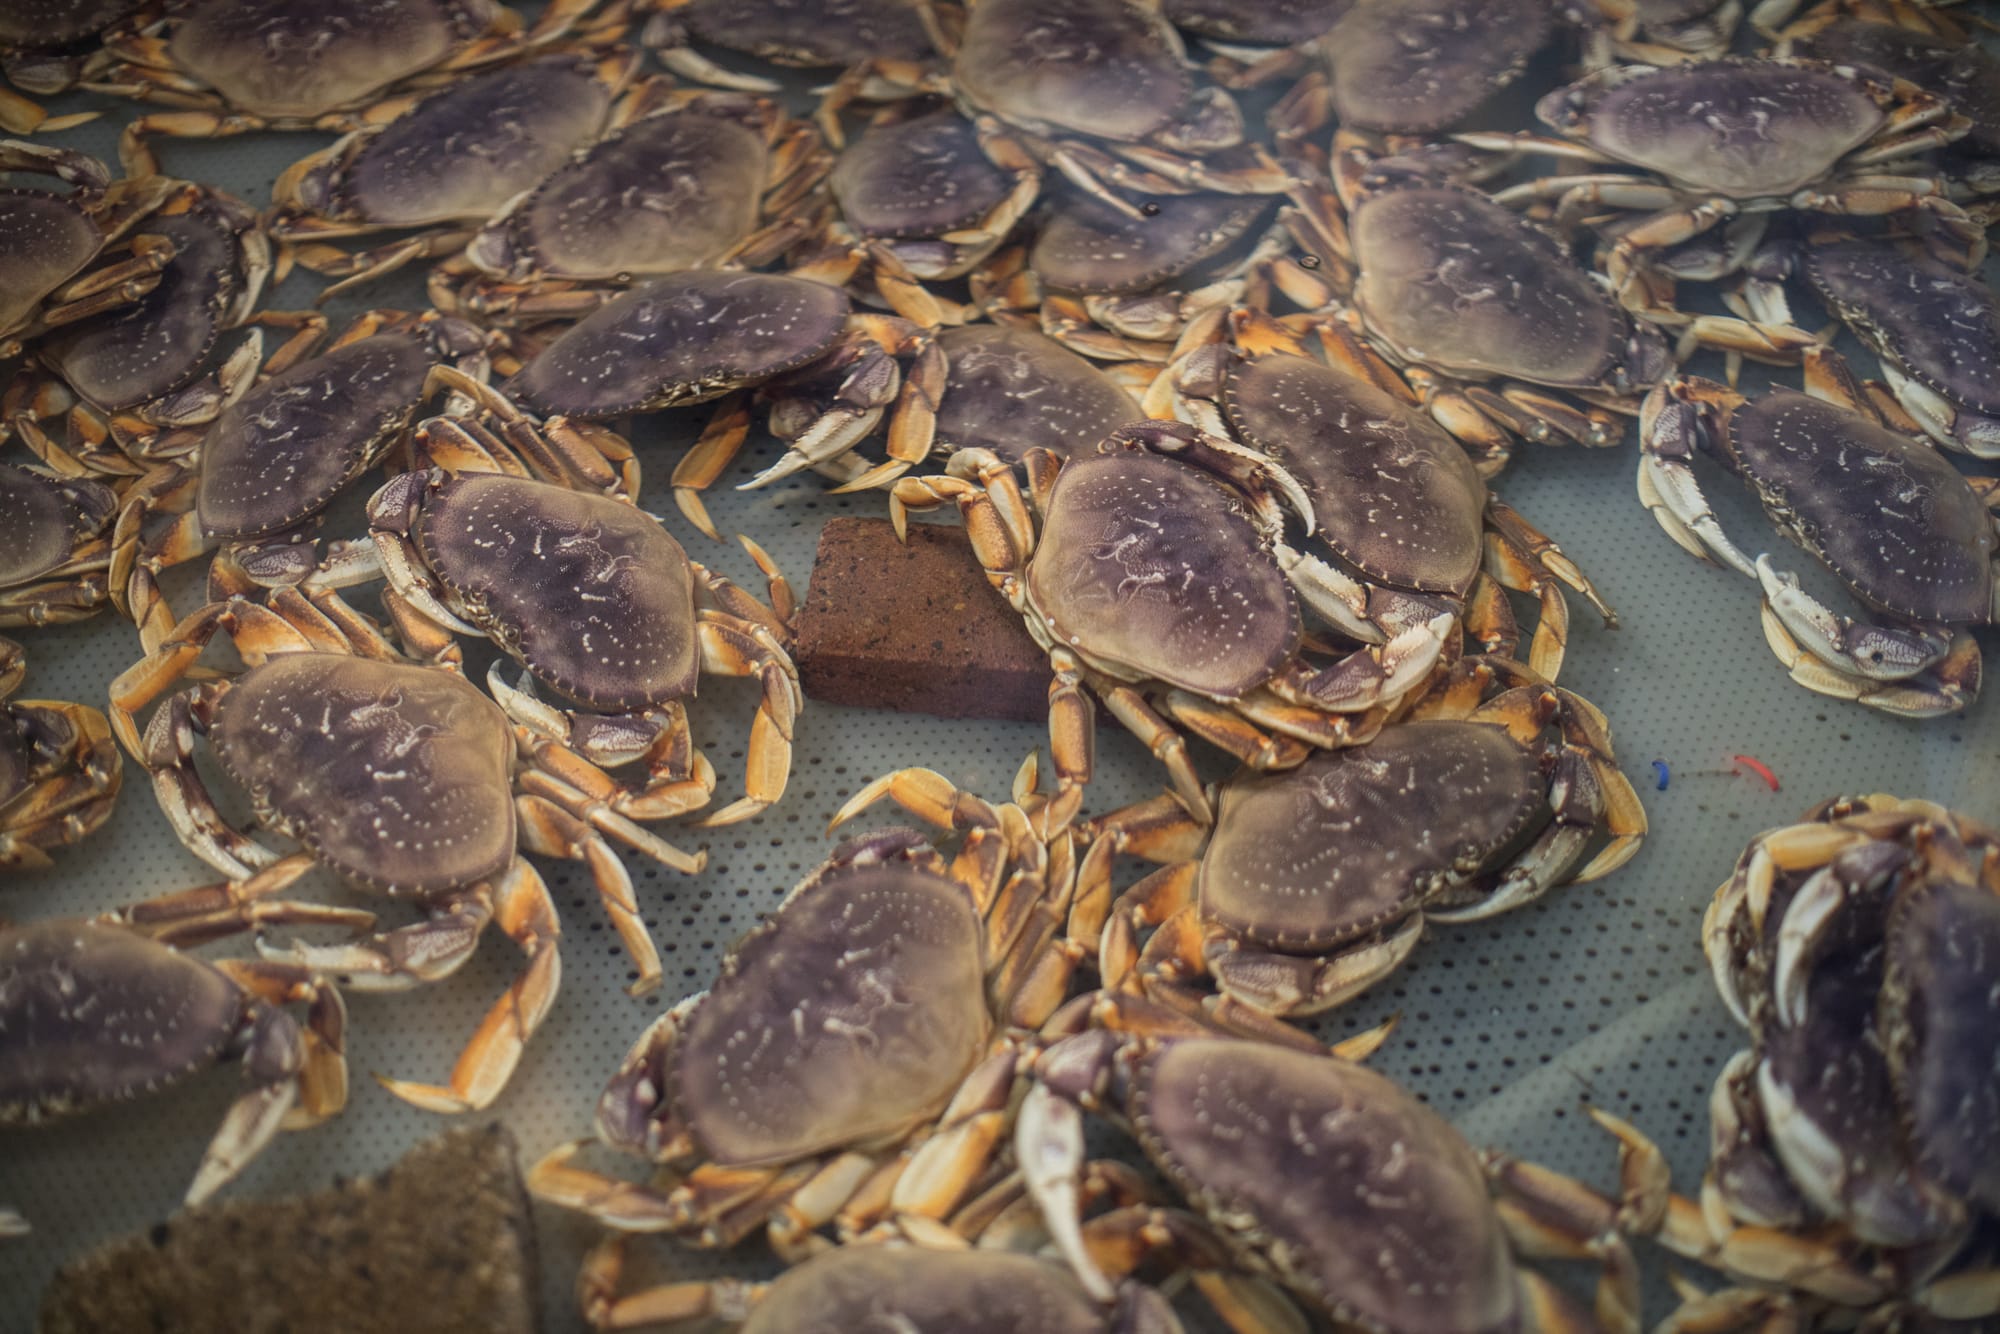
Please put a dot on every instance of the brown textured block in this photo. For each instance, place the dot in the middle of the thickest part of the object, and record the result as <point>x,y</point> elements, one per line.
<point>915,627</point>
<point>442,1242</point>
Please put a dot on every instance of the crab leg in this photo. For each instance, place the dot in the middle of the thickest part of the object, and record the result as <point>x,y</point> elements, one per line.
<point>709,457</point>
<point>196,916</point>
<point>551,831</point>
<point>1943,689</point>
<point>730,647</point>
<point>301,1074</point>
<point>168,754</point>
<point>1873,652</point>
<point>520,902</point>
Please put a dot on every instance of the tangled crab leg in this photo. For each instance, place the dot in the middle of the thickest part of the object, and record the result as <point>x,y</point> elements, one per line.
<point>301,1074</point>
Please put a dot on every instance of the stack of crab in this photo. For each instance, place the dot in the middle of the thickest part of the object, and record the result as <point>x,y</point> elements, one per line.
<point>1225,419</point>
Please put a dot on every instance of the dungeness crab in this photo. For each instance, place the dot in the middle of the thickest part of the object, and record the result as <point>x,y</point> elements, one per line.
<point>853,1060</point>
<point>1486,313</point>
<point>1901,529</point>
<point>1315,883</point>
<point>97,1012</point>
<point>1714,140</point>
<point>53,569</point>
<point>47,240</point>
<point>1332,1179</point>
<point>1154,584</point>
<point>1853,1161</point>
<point>1404,527</point>
<point>407,782</point>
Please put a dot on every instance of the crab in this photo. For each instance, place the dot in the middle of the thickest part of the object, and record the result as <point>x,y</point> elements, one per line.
<point>1018,395</point>
<point>237,66</point>
<point>447,163</point>
<point>52,239</point>
<point>1934,328</point>
<point>1117,289</point>
<point>1852,1147</point>
<point>882,45</point>
<point>599,603</point>
<point>1412,69</point>
<point>43,45</point>
<point>1102,92</point>
<point>934,1286</point>
<point>936,192</point>
<point>1714,140</point>
<point>707,334</point>
<point>1900,528</point>
<point>418,787</point>
<point>272,462</point>
<point>1154,584</point>
<point>1671,32</point>
<point>1405,530</point>
<point>1921,43</point>
<point>142,371</point>
<point>704,180</point>
<point>54,567</point>
<point>59,770</point>
<point>1485,313</point>
<point>853,1058</point>
<point>1316,883</point>
<point>1330,1178</point>
<point>96,1012</point>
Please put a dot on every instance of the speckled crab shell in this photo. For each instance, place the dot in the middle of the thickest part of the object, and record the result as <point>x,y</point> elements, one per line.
<point>808,1040</point>
<point>683,339</point>
<point>1150,566</point>
<point>1452,280</point>
<point>1739,128</point>
<point>46,240</point>
<point>288,60</point>
<point>45,518</point>
<point>462,153</point>
<point>1395,496</point>
<point>1108,68</point>
<point>1966,74</point>
<point>277,456</point>
<point>809,32</point>
<point>589,593</point>
<point>967,1292</point>
<point>97,1014</point>
<point>1309,859</point>
<point>1911,539</point>
<point>1416,67</point>
<point>670,192</point>
<point>1013,390</point>
<point>57,25</point>
<point>1263,23</point>
<point>918,178</point>
<point>1938,324</point>
<point>1363,1197</point>
<point>142,352</point>
<point>398,777</point>
<point>1088,247</point>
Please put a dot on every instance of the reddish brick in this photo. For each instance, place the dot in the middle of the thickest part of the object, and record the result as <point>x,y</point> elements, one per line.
<point>915,627</point>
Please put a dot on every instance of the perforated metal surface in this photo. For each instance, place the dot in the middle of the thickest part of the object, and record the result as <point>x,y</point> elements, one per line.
<point>1597,995</point>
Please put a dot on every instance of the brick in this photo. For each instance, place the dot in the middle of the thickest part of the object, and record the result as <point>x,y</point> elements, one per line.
<point>915,627</point>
